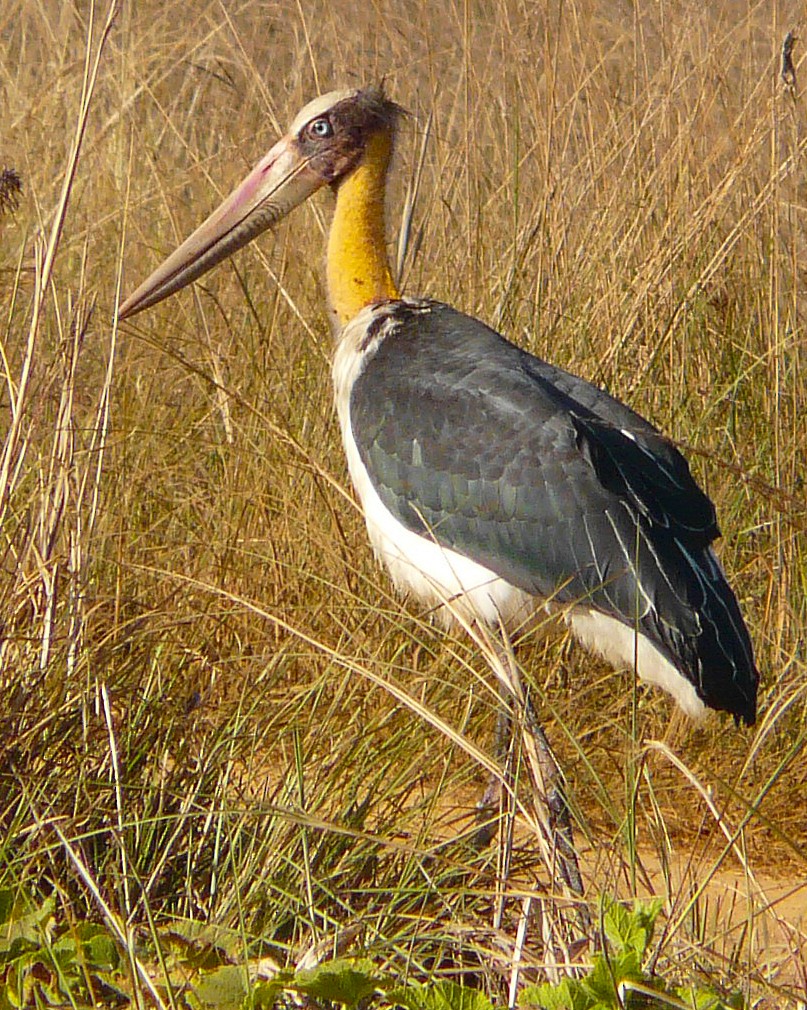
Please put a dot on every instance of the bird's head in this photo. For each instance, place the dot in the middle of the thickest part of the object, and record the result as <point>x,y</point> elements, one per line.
<point>327,140</point>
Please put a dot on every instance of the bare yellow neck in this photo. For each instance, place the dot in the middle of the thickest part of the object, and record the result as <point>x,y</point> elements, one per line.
<point>358,270</point>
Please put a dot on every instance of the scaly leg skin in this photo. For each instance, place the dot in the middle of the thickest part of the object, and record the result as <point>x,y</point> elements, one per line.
<point>560,852</point>
<point>489,805</point>
<point>560,820</point>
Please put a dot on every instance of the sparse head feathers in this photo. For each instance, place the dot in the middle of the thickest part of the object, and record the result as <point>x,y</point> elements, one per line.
<point>333,132</point>
<point>368,106</point>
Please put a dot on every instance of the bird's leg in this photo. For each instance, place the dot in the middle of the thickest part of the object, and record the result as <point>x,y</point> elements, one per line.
<point>492,796</point>
<point>560,820</point>
<point>502,739</point>
<point>545,772</point>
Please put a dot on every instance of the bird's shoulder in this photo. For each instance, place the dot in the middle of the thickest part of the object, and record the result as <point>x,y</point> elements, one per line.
<point>450,389</point>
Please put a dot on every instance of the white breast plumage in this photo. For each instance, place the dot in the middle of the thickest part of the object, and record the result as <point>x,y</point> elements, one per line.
<point>452,584</point>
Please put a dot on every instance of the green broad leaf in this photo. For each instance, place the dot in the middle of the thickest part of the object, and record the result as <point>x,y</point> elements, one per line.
<point>603,981</point>
<point>23,977</point>
<point>628,930</point>
<point>27,921</point>
<point>439,996</point>
<point>225,987</point>
<point>264,995</point>
<point>568,994</point>
<point>645,914</point>
<point>695,998</point>
<point>626,967</point>
<point>9,993</point>
<point>99,949</point>
<point>11,950</point>
<point>65,948</point>
<point>341,981</point>
<point>600,983</point>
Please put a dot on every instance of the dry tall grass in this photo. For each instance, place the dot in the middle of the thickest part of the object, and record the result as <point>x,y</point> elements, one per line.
<point>203,669</point>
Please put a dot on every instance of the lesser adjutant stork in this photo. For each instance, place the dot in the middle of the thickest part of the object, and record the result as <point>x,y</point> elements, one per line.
<point>490,480</point>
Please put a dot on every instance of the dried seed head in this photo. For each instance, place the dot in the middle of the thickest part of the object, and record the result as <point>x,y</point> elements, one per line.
<point>10,189</point>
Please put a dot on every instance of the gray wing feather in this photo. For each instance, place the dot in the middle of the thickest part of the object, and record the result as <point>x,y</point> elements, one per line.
<point>551,483</point>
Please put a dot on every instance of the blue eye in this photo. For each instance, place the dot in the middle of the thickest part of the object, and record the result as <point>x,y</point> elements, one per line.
<point>320,128</point>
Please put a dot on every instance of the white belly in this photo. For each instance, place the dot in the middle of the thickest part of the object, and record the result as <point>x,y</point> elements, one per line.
<point>453,584</point>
